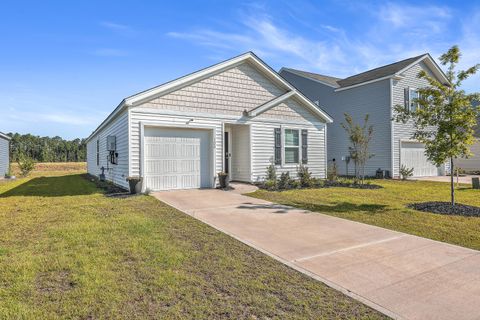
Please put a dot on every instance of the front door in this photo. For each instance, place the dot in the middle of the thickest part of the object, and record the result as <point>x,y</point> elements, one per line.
<point>226,155</point>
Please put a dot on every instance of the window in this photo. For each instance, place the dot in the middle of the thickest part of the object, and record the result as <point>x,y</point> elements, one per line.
<point>98,152</point>
<point>412,98</point>
<point>292,146</point>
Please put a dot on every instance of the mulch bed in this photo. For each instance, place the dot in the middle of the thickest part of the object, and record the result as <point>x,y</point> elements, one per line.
<point>446,208</point>
<point>329,184</point>
<point>110,190</point>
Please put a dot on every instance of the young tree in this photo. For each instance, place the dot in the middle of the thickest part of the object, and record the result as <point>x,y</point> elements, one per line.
<point>445,117</point>
<point>360,137</point>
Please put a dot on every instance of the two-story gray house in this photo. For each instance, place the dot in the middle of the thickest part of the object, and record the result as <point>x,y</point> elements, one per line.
<point>375,92</point>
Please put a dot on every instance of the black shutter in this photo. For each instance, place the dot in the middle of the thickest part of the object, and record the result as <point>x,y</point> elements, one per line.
<point>406,94</point>
<point>304,146</point>
<point>278,146</point>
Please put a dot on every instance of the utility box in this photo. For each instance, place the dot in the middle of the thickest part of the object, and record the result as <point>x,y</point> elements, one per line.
<point>476,183</point>
<point>111,143</point>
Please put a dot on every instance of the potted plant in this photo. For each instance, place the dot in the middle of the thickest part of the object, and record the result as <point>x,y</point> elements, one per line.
<point>135,184</point>
<point>223,179</point>
<point>8,174</point>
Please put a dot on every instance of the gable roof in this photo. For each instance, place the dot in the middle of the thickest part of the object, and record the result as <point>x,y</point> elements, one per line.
<point>4,136</point>
<point>331,81</point>
<point>194,77</point>
<point>387,71</point>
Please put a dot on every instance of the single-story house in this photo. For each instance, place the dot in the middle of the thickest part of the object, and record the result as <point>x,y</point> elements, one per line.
<point>238,117</point>
<point>375,92</point>
<point>4,154</point>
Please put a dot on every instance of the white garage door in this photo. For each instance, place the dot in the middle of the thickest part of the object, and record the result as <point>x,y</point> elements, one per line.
<point>177,158</point>
<point>413,156</point>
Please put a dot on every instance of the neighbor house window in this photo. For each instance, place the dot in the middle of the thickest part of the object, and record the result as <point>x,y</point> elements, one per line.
<point>292,146</point>
<point>412,99</point>
<point>98,152</point>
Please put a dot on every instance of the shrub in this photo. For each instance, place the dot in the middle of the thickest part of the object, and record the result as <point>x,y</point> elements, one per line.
<point>25,164</point>
<point>271,173</point>
<point>270,185</point>
<point>284,182</point>
<point>405,172</point>
<point>304,176</point>
<point>332,174</point>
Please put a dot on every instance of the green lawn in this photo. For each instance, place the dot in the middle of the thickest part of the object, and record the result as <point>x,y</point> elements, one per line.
<point>69,252</point>
<point>387,208</point>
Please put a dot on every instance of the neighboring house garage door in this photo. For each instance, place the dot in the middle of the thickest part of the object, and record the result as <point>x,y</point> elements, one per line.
<point>413,156</point>
<point>177,158</point>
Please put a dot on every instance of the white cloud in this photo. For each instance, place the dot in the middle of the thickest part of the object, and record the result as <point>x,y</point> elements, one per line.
<point>394,32</point>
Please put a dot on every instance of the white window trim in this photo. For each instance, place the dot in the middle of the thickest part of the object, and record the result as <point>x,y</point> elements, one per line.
<point>410,89</point>
<point>291,165</point>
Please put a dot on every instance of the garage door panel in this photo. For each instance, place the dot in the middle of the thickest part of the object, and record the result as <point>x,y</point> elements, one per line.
<point>413,156</point>
<point>177,158</point>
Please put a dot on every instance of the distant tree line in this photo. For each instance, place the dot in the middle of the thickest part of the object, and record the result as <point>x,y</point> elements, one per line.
<point>47,149</point>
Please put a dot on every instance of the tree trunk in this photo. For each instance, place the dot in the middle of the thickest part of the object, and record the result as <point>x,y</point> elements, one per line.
<point>452,186</point>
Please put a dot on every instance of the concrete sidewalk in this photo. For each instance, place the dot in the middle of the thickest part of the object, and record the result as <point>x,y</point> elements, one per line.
<point>403,276</point>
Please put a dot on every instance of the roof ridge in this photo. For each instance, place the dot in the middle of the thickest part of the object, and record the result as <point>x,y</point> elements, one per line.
<point>319,74</point>
<point>386,65</point>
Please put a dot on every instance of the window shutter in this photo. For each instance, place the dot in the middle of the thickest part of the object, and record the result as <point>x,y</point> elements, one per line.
<point>278,146</point>
<point>304,146</point>
<point>406,93</point>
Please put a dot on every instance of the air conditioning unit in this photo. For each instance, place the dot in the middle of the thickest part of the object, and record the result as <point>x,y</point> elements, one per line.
<point>111,143</point>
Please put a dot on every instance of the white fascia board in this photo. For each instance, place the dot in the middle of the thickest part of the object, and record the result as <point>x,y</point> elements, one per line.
<point>433,66</point>
<point>312,79</point>
<point>314,108</point>
<point>112,115</point>
<point>394,76</point>
<point>270,104</point>
<point>2,135</point>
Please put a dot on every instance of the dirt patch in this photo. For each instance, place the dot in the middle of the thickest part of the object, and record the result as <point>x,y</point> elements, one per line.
<point>54,282</point>
<point>446,208</point>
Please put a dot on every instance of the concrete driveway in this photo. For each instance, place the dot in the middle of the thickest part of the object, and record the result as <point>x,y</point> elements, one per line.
<point>461,179</point>
<point>403,276</point>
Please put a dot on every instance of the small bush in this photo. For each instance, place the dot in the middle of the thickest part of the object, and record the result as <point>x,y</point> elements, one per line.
<point>305,176</point>
<point>25,164</point>
<point>332,174</point>
<point>270,185</point>
<point>284,182</point>
<point>405,172</point>
<point>271,173</point>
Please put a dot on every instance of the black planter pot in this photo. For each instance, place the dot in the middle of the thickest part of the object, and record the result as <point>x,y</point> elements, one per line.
<point>135,185</point>
<point>223,180</point>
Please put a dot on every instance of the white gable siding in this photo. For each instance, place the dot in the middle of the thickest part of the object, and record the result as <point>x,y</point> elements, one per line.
<point>4,156</point>
<point>405,131</point>
<point>230,92</point>
<point>290,110</point>
<point>115,173</point>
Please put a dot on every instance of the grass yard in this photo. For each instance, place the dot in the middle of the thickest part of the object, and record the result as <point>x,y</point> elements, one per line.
<point>69,252</point>
<point>386,208</point>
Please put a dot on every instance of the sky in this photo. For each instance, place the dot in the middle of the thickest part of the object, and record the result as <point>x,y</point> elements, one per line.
<point>65,65</point>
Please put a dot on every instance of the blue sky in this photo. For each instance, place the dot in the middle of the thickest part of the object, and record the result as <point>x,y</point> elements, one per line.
<point>65,65</point>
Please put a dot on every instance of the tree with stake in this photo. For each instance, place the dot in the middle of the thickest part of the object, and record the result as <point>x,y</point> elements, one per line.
<point>360,137</point>
<point>444,118</point>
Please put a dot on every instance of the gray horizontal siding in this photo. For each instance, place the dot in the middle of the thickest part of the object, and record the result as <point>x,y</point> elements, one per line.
<point>373,99</point>
<point>4,156</point>
<point>405,131</point>
<point>472,163</point>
